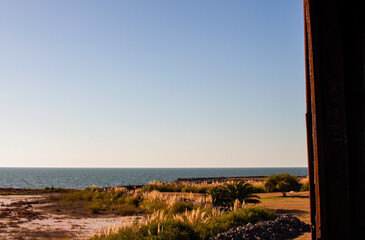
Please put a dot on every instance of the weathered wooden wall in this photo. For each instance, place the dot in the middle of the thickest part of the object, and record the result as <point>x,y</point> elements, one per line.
<point>335,75</point>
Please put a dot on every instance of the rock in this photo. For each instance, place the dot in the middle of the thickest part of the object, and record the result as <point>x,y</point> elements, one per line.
<point>283,227</point>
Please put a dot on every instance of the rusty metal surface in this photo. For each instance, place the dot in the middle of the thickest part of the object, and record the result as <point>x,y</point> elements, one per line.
<point>336,117</point>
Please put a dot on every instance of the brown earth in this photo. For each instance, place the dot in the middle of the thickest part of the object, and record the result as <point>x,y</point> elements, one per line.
<point>43,216</point>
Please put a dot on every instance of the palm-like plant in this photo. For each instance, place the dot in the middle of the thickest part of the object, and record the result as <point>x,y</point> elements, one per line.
<point>242,191</point>
<point>227,194</point>
<point>218,195</point>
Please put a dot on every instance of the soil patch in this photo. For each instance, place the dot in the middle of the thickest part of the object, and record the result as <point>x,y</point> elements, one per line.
<point>45,217</point>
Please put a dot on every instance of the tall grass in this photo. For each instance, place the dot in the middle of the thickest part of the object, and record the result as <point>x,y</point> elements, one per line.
<point>195,224</point>
<point>180,187</point>
<point>192,187</point>
<point>123,202</point>
<point>116,200</point>
<point>305,184</point>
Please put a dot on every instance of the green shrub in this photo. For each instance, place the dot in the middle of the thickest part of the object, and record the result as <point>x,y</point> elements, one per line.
<point>282,183</point>
<point>153,204</point>
<point>95,207</point>
<point>162,187</point>
<point>180,207</point>
<point>219,197</point>
<point>97,200</point>
<point>173,187</point>
<point>126,210</point>
<point>227,194</point>
<point>233,219</point>
<point>305,186</point>
<point>172,229</point>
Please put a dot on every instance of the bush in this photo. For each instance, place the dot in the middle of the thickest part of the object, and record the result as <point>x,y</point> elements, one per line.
<point>97,200</point>
<point>153,204</point>
<point>180,207</point>
<point>233,219</point>
<point>177,187</point>
<point>227,194</point>
<point>95,207</point>
<point>305,184</point>
<point>171,228</point>
<point>162,187</point>
<point>126,210</point>
<point>282,183</point>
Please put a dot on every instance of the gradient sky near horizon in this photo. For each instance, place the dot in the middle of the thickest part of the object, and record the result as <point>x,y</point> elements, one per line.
<point>191,83</point>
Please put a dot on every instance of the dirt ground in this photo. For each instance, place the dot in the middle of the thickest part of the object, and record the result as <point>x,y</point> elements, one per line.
<point>37,217</point>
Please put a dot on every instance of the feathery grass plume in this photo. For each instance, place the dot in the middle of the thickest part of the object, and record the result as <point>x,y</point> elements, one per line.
<point>237,205</point>
<point>185,186</point>
<point>305,184</point>
<point>119,189</point>
<point>188,225</point>
<point>172,200</point>
<point>195,216</point>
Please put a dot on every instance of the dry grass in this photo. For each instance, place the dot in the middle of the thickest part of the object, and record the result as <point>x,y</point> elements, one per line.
<point>297,205</point>
<point>171,197</point>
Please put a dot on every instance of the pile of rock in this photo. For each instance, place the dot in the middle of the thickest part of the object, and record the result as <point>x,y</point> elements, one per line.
<point>284,226</point>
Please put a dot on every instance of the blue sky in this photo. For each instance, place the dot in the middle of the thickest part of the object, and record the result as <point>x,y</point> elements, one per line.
<point>152,84</point>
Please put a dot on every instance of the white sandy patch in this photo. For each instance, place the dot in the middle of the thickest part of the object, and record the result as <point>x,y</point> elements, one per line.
<point>81,228</point>
<point>8,199</point>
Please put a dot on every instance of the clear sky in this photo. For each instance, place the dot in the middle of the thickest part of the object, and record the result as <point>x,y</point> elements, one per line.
<point>191,83</point>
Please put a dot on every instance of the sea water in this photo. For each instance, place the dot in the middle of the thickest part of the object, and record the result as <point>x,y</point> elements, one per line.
<point>86,177</point>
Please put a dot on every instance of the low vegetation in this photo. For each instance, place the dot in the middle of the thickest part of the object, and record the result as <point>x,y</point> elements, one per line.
<point>305,184</point>
<point>283,183</point>
<point>227,194</point>
<point>55,190</point>
<point>195,224</point>
<point>115,200</point>
<point>182,210</point>
<point>158,196</point>
<point>286,182</point>
<point>120,201</point>
<point>180,187</point>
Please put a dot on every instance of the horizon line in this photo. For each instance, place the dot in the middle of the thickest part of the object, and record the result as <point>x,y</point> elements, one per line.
<point>151,167</point>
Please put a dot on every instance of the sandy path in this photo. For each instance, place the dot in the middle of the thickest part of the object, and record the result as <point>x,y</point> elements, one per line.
<point>29,221</point>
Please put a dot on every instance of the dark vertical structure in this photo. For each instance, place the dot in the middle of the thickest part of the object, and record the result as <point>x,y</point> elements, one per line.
<point>335,80</point>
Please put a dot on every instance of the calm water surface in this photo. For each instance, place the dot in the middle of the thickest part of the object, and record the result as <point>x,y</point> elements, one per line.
<point>86,177</point>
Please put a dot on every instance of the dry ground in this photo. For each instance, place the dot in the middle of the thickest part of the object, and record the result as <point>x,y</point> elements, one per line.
<point>38,217</point>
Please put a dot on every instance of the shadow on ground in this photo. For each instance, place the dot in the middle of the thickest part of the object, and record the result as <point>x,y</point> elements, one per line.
<point>286,211</point>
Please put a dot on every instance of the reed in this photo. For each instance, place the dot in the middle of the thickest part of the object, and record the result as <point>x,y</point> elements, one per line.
<point>196,224</point>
